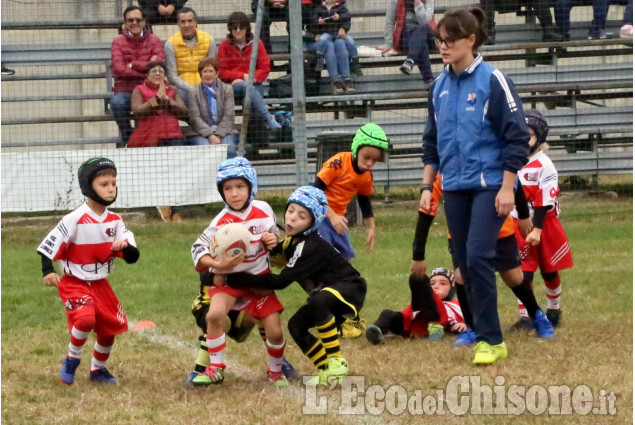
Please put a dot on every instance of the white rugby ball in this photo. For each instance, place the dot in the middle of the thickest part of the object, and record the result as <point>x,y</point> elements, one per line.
<point>231,239</point>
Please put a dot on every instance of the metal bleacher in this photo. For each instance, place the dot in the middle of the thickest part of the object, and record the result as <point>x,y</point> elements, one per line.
<point>588,101</point>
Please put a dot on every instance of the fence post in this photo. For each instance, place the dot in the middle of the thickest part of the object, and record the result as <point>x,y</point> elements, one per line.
<point>250,85</point>
<point>299,94</point>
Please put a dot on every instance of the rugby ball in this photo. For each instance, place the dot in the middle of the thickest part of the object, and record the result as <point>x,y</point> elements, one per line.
<point>231,239</point>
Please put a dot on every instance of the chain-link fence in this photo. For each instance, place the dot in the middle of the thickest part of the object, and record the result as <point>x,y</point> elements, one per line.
<point>75,84</point>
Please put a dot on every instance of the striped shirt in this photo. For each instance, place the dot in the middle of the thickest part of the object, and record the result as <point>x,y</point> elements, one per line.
<point>82,243</point>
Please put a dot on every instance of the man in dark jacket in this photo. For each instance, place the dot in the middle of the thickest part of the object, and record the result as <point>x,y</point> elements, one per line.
<point>161,11</point>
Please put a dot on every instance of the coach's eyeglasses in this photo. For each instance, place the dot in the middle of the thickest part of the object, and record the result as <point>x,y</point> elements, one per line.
<point>134,20</point>
<point>449,42</point>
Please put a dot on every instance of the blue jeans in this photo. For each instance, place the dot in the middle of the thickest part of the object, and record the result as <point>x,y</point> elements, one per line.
<point>258,105</point>
<point>231,140</point>
<point>415,44</point>
<point>562,12</point>
<point>341,242</point>
<point>474,226</point>
<point>336,55</point>
<point>120,105</point>
<point>628,14</point>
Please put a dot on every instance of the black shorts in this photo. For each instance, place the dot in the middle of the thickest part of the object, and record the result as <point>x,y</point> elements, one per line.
<point>349,294</point>
<point>507,256</point>
<point>239,329</point>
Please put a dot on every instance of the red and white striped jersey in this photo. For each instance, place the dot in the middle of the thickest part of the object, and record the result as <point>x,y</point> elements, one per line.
<point>258,218</point>
<point>539,179</point>
<point>453,310</point>
<point>82,243</point>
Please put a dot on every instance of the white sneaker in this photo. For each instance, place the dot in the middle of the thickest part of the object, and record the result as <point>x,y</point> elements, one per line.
<point>391,52</point>
<point>626,31</point>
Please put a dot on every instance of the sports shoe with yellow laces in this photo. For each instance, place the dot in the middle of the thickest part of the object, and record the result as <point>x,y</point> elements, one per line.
<point>353,328</point>
<point>488,354</point>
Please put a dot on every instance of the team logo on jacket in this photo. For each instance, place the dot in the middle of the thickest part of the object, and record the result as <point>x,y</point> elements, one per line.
<point>471,98</point>
<point>531,177</point>
<point>336,163</point>
<point>297,254</point>
<point>110,232</point>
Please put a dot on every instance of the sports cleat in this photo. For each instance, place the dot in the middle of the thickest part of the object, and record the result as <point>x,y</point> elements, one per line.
<point>435,331</point>
<point>523,324</point>
<point>190,377</point>
<point>69,366</point>
<point>353,328</point>
<point>212,375</point>
<point>277,378</point>
<point>488,354</point>
<point>336,369</point>
<point>467,337</point>
<point>102,376</point>
<point>554,317</point>
<point>542,325</point>
<point>288,369</point>
<point>374,335</point>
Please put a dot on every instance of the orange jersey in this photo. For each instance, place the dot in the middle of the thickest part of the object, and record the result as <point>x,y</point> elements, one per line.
<point>342,182</point>
<point>508,226</point>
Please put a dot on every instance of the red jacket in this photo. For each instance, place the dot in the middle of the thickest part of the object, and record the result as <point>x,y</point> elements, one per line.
<point>160,124</point>
<point>137,51</point>
<point>234,63</point>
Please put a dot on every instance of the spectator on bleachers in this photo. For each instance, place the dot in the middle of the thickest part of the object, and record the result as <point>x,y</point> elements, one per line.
<point>627,24</point>
<point>211,109</point>
<point>597,30</point>
<point>234,54</point>
<point>130,54</point>
<point>184,50</point>
<point>274,10</point>
<point>278,10</point>
<point>161,11</point>
<point>542,11</point>
<point>330,22</point>
<point>409,26</point>
<point>157,108</point>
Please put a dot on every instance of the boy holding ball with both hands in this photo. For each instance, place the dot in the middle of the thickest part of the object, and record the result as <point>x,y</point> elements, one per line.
<point>237,184</point>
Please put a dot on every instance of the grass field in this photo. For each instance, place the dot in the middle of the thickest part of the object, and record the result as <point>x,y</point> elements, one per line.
<point>593,347</point>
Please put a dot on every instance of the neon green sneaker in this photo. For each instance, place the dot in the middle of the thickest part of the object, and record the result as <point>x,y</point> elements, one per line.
<point>336,369</point>
<point>435,331</point>
<point>212,375</point>
<point>488,354</point>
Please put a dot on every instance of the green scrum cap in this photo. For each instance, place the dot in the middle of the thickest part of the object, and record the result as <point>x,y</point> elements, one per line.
<point>369,135</point>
